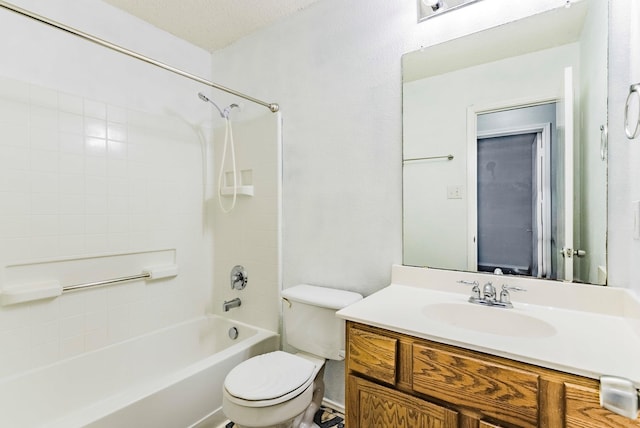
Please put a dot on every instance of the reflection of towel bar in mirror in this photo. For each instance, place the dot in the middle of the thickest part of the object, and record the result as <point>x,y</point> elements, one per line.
<point>448,157</point>
<point>631,133</point>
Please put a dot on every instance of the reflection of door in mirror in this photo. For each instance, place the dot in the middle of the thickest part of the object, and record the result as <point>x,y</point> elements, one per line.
<point>516,172</point>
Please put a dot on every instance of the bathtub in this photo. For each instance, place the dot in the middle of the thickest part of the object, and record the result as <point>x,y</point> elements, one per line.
<point>167,378</point>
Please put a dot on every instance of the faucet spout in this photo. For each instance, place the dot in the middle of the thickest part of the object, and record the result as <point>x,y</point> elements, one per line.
<point>228,304</point>
<point>489,292</point>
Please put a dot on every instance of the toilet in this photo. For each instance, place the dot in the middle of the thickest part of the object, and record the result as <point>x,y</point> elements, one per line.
<point>284,390</point>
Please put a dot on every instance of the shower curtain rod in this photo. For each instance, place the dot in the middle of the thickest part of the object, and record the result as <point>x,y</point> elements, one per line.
<point>13,8</point>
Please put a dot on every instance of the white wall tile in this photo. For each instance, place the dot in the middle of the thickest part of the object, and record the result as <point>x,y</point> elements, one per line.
<point>14,157</point>
<point>96,339</point>
<point>95,166</point>
<point>15,113</point>
<point>43,117</point>
<point>71,346</point>
<point>71,143</point>
<point>72,163</point>
<point>44,332</point>
<point>12,226</point>
<point>43,96</point>
<point>71,245</point>
<point>43,161</point>
<point>14,135</point>
<point>45,353</point>
<point>71,327</point>
<point>95,127</point>
<point>70,104</point>
<point>71,203</point>
<point>44,182</point>
<point>44,203</point>
<point>95,146</point>
<point>71,304</point>
<point>42,225</point>
<point>95,109</point>
<point>95,320</point>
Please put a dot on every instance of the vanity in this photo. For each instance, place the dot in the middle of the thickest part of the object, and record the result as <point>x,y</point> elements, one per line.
<point>420,355</point>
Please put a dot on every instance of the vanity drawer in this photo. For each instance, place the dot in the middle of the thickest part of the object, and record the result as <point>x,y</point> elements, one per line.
<point>582,404</point>
<point>373,355</point>
<point>498,391</point>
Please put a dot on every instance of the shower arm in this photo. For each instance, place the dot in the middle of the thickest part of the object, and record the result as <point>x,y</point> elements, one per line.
<point>223,113</point>
<point>26,13</point>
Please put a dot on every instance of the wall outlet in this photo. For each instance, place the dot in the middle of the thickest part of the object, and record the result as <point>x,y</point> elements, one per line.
<point>454,192</point>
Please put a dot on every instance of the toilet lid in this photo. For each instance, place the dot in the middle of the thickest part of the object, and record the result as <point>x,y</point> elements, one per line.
<point>268,376</point>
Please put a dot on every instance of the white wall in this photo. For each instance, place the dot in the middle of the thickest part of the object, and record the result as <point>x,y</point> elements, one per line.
<point>101,176</point>
<point>624,155</point>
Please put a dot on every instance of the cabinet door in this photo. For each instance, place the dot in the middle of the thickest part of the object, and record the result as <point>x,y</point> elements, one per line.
<point>373,406</point>
<point>498,391</point>
<point>583,409</point>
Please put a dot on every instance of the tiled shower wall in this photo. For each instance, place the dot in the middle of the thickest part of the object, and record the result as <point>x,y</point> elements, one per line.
<point>84,183</point>
<point>249,235</point>
<point>101,176</point>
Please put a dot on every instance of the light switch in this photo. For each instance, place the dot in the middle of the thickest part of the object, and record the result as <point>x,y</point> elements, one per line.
<point>454,192</point>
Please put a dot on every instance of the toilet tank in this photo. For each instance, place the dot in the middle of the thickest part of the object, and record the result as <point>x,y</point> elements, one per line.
<point>310,321</point>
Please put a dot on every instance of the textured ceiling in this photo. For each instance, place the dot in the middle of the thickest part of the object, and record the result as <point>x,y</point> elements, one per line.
<point>210,24</point>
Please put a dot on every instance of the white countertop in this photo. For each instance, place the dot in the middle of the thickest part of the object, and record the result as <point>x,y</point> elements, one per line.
<point>587,342</point>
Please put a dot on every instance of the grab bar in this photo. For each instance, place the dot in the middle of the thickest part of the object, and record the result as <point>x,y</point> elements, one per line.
<point>19,293</point>
<point>105,282</point>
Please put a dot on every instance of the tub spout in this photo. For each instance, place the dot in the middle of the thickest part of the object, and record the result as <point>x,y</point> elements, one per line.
<point>228,304</point>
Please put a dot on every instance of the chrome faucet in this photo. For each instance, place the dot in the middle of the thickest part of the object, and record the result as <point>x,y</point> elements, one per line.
<point>488,295</point>
<point>228,304</point>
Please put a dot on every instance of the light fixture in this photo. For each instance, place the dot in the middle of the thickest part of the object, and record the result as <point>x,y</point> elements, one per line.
<point>429,8</point>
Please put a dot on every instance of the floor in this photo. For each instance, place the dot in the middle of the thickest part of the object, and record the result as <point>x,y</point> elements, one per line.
<point>325,417</point>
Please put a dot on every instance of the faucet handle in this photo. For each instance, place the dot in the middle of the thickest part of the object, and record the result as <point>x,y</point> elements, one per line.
<point>505,297</point>
<point>506,287</point>
<point>475,291</point>
<point>463,282</point>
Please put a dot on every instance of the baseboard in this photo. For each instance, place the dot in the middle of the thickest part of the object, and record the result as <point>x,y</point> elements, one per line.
<point>334,405</point>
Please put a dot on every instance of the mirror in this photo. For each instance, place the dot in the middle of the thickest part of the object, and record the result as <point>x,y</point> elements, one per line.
<point>504,148</point>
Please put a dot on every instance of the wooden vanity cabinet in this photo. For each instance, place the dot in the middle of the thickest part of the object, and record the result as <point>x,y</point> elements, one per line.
<point>399,381</point>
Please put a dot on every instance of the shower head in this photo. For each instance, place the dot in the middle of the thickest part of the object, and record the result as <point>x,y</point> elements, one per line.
<point>223,113</point>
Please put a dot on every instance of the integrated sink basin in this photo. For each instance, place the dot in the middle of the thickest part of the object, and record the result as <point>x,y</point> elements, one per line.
<point>492,320</point>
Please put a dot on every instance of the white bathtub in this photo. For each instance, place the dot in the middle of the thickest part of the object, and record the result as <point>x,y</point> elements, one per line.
<point>168,378</point>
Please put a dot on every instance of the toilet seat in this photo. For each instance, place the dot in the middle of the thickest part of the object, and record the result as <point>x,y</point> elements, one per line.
<point>269,379</point>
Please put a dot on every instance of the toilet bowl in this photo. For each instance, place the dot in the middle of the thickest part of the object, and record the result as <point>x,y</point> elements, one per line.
<point>284,390</point>
<point>274,390</point>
